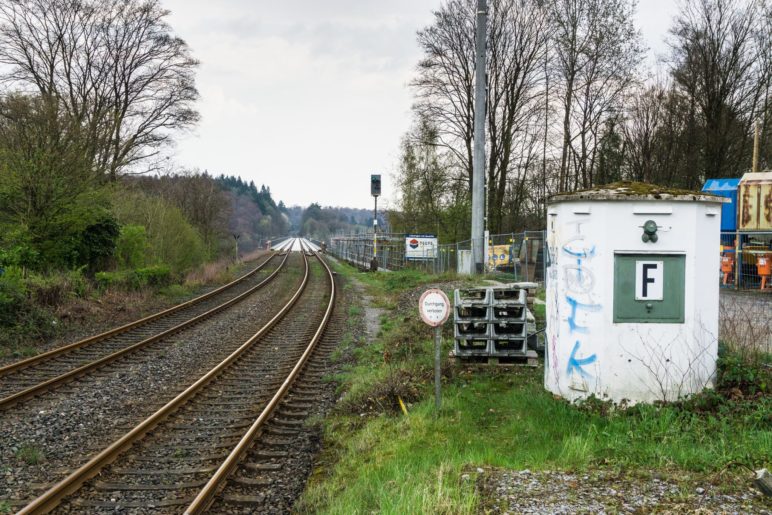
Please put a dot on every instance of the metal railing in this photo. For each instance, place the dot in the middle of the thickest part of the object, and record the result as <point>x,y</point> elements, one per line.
<point>746,260</point>
<point>513,256</point>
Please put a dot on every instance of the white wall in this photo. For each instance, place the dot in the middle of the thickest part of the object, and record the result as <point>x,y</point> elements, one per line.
<point>587,353</point>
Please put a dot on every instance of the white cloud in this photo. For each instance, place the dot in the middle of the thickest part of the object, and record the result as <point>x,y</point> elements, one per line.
<point>309,97</point>
<point>306,97</point>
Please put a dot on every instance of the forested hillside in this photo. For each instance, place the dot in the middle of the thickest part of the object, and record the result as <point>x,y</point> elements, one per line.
<point>320,223</point>
<point>254,215</point>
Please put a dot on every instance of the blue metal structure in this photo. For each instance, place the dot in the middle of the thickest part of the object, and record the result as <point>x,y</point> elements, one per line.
<point>725,188</point>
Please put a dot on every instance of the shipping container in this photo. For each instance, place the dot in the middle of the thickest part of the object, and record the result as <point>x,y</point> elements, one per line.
<point>754,196</point>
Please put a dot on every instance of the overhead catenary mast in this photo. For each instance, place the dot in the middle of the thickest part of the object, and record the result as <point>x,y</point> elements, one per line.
<point>478,158</point>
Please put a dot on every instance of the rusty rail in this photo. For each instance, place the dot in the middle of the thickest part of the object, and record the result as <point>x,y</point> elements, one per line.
<point>59,380</point>
<point>131,325</point>
<point>207,494</point>
<point>52,497</point>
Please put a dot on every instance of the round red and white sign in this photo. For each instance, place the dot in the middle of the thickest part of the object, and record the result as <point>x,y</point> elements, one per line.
<point>434,307</point>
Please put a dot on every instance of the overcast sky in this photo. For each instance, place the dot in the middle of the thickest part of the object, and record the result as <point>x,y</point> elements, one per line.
<point>310,97</point>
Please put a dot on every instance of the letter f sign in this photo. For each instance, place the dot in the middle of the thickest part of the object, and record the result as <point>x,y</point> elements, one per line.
<point>649,280</point>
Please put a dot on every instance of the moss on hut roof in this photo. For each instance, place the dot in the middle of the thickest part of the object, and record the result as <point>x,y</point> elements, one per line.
<point>629,190</point>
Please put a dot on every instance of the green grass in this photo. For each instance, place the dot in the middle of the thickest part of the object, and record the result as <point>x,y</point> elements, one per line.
<point>540,314</point>
<point>5,507</point>
<point>391,282</point>
<point>377,460</point>
<point>177,292</point>
<point>396,464</point>
<point>30,454</point>
<point>20,351</point>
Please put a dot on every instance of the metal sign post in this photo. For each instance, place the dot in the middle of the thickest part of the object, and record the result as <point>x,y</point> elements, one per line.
<point>434,307</point>
<point>236,239</point>
<point>375,191</point>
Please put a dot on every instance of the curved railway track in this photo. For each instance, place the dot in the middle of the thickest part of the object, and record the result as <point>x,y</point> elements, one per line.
<point>34,376</point>
<point>199,448</point>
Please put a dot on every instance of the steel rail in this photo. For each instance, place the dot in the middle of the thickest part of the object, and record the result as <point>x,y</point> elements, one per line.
<point>54,382</point>
<point>4,370</point>
<point>207,494</point>
<point>52,497</point>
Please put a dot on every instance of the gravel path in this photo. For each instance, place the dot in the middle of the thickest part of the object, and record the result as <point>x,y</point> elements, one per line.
<point>45,437</point>
<point>511,491</point>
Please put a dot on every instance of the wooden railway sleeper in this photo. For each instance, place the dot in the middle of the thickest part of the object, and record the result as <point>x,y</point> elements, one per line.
<point>72,374</point>
<point>53,496</point>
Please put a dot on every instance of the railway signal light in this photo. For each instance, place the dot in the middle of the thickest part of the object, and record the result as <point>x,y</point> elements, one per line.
<point>375,185</point>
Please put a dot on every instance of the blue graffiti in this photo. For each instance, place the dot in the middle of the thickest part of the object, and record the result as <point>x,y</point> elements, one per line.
<point>576,305</point>
<point>575,363</point>
<point>585,253</point>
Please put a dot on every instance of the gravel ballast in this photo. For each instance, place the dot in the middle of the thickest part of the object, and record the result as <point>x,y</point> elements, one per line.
<point>45,437</point>
<point>555,492</point>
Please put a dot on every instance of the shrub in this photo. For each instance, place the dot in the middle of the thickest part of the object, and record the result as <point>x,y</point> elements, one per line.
<point>171,239</point>
<point>53,290</point>
<point>20,317</point>
<point>107,280</point>
<point>96,243</point>
<point>152,276</point>
<point>736,372</point>
<point>13,296</point>
<point>16,248</point>
<point>155,276</point>
<point>83,234</point>
<point>132,246</point>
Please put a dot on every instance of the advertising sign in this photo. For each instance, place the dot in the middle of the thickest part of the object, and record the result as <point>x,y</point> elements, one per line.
<point>499,256</point>
<point>420,246</point>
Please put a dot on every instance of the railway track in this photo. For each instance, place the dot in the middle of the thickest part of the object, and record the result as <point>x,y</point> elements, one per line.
<point>34,376</point>
<point>200,448</point>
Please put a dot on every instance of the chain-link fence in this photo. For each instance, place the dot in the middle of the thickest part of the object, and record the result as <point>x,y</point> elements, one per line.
<point>513,256</point>
<point>746,260</point>
<point>744,319</point>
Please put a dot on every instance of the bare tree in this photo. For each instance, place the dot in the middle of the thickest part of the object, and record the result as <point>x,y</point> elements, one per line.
<point>433,193</point>
<point>114,66</point>
<point>516,89</point>
<point>644,117</point>
<point>517,42</point>
<point>597,51</point>
<point>720,63</point>
<point>444,85</point>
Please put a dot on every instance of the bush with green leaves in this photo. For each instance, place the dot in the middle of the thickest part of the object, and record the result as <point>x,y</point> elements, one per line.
<point>157,276</point>
<point>738,372</point>
<point>171,239</point>
<point>20,317</point>
<point>13,296</point>
<point>52,290</point>
<point>132,246</point>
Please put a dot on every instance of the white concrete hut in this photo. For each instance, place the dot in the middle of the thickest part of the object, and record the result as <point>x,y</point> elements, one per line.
<point>632,293</point>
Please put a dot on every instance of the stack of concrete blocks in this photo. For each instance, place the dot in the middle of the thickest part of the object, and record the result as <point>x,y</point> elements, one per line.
<point>494,322</point>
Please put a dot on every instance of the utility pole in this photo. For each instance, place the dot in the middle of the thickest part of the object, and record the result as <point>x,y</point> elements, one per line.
<point>478,158</point>
<point>756,138</point>
<point>236,239</point>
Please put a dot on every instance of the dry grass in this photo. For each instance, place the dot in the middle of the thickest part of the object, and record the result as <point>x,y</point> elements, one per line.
<point>220,271</point>
<point>114,305</point>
